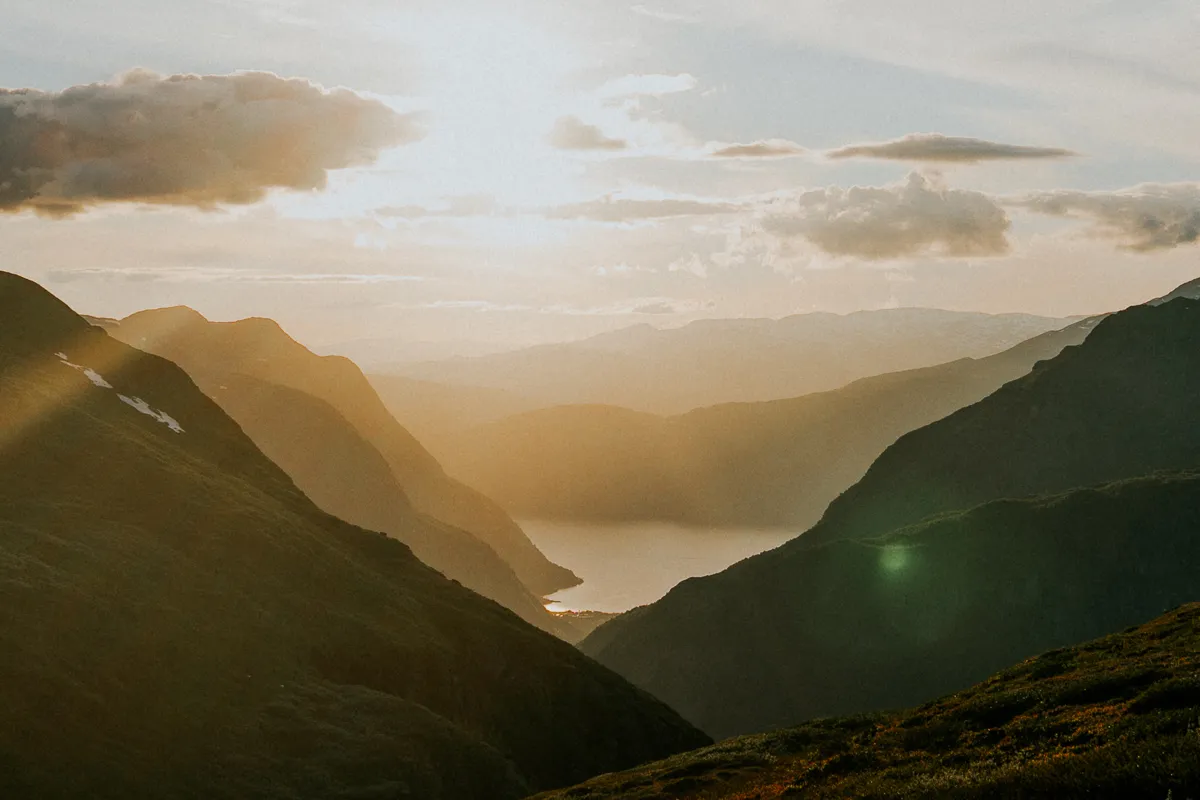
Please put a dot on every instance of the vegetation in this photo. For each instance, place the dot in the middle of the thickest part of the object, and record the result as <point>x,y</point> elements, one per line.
<point>178,620</point>
<point>856,616</point>
<point>1116,718</point>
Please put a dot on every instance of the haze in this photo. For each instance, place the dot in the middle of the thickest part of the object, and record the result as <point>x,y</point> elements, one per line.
<point>559,170</point>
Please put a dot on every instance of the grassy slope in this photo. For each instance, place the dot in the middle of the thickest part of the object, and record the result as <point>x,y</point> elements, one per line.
<point>261,349</point>
<point>729,650</point>
<point>178,620</point>
<point>1115,718</point>
<point>343,474</point>
<point>851,627</point>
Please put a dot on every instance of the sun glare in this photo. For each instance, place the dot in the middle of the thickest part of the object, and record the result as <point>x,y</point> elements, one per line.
<point>492,87</point>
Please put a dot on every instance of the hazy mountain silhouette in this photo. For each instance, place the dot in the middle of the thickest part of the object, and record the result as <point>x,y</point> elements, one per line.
<point>178,620</point>
<point>437,412</point>
<point>1112,718</point>
<point>346,476</point>
<point>865,623</point>
<point>708,362</point>
<point>775,464</point>
<point>259,348</point>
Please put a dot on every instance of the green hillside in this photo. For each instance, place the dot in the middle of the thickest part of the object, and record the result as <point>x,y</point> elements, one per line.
<point>1114,718</point>
<point>177,620</point>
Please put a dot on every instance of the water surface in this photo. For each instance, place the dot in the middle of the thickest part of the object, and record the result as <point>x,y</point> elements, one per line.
<point>629,565</point>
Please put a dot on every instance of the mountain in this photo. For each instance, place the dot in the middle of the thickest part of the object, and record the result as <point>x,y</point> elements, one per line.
<point>346,476</point>
<point>177,620</point>
<point>1112,718</point>
<point>259,348</point>
<point>435,412</point>
<point>862,613</point>
<point>709,362</point>
<point>770,464</point>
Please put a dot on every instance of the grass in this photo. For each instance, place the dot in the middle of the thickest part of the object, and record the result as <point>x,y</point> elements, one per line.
<point>1118,717</point>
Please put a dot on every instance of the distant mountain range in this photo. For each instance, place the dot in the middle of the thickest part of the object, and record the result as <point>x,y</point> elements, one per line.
<point>709,362</point>
<point>246,366</point>
<point>1111,718</point>
<point>178,620</point>
<point>1061,507</point>
<point>769,464</point>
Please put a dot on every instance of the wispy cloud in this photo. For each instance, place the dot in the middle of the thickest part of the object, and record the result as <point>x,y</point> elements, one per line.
<point>654,84</point>
<point>936,147</point>
<point>1142,218</point>
<point>572,133</point>
<point>614,209</point>
<point>764,148</point>
<point>218,275</point>
<point>662,15</point>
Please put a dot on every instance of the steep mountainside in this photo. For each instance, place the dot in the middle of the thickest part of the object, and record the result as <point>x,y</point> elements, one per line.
<point>1123,404</point>
<point>776,463</point>
<point>344,475</point>
<point>259,348</point>
<point>861,624</point>
<point>178,620</point>
<point>1112,718</point>
<point>709,362</point>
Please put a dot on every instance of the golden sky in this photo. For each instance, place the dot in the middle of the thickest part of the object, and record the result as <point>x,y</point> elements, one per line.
<point>512,172</point>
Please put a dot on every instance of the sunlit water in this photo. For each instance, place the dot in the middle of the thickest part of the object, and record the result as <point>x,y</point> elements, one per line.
<point>629,565</point>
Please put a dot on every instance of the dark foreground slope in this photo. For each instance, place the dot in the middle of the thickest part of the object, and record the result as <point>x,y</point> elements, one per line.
<point>343,474</point>
<point>259,348</point>
<point>178,620</point>
<point>860,624</point>
<point>770,464</point>
<point>1115,718</point>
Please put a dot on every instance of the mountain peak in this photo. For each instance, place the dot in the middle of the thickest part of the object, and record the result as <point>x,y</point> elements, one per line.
<point>32,318</point>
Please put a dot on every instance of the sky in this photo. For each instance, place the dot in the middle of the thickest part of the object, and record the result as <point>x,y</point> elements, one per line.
<point>488,174</point>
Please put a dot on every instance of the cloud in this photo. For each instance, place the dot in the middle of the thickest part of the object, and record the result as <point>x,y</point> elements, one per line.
<point>663,16</point>
<point>766,148</point>
<point>572,133</point>
<point>1144,218</point>
<point>953,149</point>
<point>217,275</point>
<point>609,209</point>
<point>652,84</point>
<point>463,205</point>
<point>196,140</point>
<point>912,218</point>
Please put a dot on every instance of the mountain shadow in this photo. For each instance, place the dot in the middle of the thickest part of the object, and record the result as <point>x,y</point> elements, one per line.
<point>863,613</point>
<point>178,620</point>
<point>1111,718</point>
<point>259,348</point>
<point>770,464</point>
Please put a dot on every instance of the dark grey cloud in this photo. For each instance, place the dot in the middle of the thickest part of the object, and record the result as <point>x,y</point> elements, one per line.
<point>572,133</point>
<point>1143,218</point>
<point>953,149</point>
<point>196,140</point>
<point>912,218</point>
<point>768,148</point>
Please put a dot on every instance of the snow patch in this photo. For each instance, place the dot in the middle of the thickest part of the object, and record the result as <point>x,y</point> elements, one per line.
<point>136,403</point>
<point>140,405</point>
<point>95,377</point>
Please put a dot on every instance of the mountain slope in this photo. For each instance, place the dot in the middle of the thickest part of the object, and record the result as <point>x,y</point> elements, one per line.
<point>709,362</point>
<point>344,475</point>
<point>835,621</point>
<point>1112,718</point>
<point>178,620</point>
<point>855,626</point>
<point>776,463</point>
<point>1123,404</point>
<point>259,348</point>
